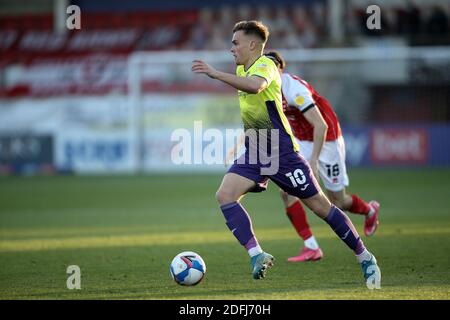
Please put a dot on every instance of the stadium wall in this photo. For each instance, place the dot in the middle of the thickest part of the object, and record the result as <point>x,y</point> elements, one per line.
<point>92,135</point>
<point>116,113</point>
<point>397,145</point>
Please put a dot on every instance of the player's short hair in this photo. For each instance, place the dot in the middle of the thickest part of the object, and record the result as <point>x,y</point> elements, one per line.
<point>253,27</point>
<point>276,57</point>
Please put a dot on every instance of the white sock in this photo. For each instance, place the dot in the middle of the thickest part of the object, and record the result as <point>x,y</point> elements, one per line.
<point>365,255</point>
<point>254,251</point>
<point>311,243</point>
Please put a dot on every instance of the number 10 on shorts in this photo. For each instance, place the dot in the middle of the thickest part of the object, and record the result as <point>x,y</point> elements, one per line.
<point>297,178</point>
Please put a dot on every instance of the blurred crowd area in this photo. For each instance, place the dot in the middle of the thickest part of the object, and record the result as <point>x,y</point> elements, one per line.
<point>292,25</point>
<point>420,22</point>
<point>37,59</point>
<point>67,96</point>
<point>305,26</point>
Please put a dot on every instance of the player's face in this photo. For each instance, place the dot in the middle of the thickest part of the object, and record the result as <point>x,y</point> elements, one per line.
<point>241,47</point>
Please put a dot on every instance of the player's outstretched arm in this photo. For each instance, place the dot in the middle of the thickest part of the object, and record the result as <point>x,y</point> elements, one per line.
<point>251,84</point>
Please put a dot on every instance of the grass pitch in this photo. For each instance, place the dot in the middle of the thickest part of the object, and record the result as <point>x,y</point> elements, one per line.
<point>123,232</point>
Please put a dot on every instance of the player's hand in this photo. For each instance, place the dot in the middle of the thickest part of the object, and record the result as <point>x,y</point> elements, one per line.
<point>231,153</point>
<point>199,66</point>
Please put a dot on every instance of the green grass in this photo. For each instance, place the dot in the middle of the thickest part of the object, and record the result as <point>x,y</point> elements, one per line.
<point>123,232</point>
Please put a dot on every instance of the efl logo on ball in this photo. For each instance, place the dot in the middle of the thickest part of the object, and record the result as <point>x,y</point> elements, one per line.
<point>187,268</point>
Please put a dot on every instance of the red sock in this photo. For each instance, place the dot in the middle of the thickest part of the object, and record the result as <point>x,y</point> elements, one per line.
<point>297,215</point>
<point>359,206</point>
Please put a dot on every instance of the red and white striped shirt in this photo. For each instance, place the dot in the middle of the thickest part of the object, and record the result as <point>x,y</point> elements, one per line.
<point>298,97</point>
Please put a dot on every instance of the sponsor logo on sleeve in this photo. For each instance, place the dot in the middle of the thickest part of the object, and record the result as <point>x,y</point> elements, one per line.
<point>299,100</point>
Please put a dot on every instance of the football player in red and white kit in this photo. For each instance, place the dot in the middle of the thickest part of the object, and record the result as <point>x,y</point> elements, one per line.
<point>317,130</point>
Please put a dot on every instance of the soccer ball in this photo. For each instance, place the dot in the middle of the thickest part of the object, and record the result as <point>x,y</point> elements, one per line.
<point>187,268</point>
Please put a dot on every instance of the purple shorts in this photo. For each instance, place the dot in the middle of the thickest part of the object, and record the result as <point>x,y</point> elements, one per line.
<point>294,175</point>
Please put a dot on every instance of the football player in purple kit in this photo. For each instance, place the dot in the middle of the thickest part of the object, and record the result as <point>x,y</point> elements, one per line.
<point>259,89</point>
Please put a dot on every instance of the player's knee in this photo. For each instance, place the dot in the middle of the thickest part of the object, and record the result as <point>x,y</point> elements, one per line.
<point>287,199</point>
<point>337,198</point>
<point>320,205</point>
<point>284,196</point>
<point>224,196</point>
<point>339,203</point>
<point>336,201</point>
